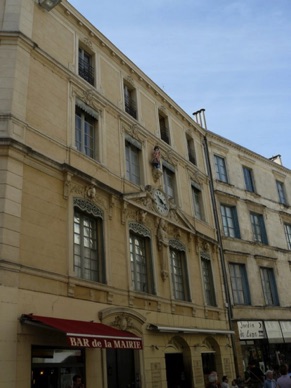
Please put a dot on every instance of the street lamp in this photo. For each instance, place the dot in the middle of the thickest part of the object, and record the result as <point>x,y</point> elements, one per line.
<point>48,4</point>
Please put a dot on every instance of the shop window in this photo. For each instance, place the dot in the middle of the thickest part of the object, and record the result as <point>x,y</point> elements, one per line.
<point>89,261</point>
<point>56,367</point>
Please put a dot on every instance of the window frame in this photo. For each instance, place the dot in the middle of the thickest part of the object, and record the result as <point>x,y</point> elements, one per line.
<point>179,271</point>
<point>164,127</point>
<point>281,192</point>
<point>287,229</point>
<point>133,160</point>
<point>239,284</point>
<point>230,218</point>
<point>85,142</point>
<point>86,68</point>
<point>208,281</point>
<point>191,149</point>
<point>249,179</point>
<point>94,216</point>
<point>138,232</point>
<point>197,199</point>
<point>258,228</point>
<point>169,181</point>
<point>269,286</point>
<point>130,99</point>
<point>220,168</point>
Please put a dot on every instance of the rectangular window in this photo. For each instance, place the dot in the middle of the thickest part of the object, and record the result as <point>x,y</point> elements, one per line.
<point>132,154</point>
<point>258,228</point>
<point>85,132</point>
<point>269,287</point>
<point>179,274</point>
<point>198,203</point>
<point>86,68</point>
<point>287,228</point>
<point>209,291</point>
<point>169,182</point>
<point>141,263</point>
<point>220,167</point>
<point>88,247</point>
<point>239,284</point>
<point>230,221</point>
<point>281,192</point>
<point>249,179</point>
<point>164,128</point>
<point>191,149</point>
<point>130,100</point>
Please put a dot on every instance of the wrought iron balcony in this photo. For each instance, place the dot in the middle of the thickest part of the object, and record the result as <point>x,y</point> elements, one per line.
<point>86,71</point>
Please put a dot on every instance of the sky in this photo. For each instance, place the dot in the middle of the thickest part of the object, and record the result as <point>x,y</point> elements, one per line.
<point>230,57</point>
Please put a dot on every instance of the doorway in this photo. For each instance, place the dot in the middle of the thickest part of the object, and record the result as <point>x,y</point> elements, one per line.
<point>175,369</point>
<point>121,370</point>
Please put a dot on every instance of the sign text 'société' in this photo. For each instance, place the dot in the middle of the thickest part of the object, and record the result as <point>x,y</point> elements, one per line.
<point>86,342</point>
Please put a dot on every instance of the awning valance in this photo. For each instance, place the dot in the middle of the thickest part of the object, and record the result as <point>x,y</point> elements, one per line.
<point>187,330</point>
<point>86,334</point>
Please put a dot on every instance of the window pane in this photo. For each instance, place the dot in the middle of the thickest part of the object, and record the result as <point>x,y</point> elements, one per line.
<point>140,262</point>
<point>220,169</point>
<point>208,282</point>
<point>88,253</point>
<point>179,274</point>
<point>239,284</point>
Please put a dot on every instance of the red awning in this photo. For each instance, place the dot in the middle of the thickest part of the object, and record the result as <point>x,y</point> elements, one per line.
<point>87,334</point>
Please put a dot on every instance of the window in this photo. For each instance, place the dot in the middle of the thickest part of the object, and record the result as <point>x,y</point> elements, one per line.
<point>269,287</point>
<point>258,228</point>
<point>239,284</point>
<point>89,261</point>
<point>249,179</point>
<point>287,228</point>
<point>209,291</point>
<point>220,167</point>
<point>281,192</point>
<point>230,221</point>
<point>191,149</point>
<point>85,132</point>
<point>141,258</point>
<point>197,201</point>
<point>164,128</point>
<point>169,182</point>
<point>55,367</point>
<point>179,271</point>
<point>130,100</point>
<point>132,153</point>
<point>86,68</point>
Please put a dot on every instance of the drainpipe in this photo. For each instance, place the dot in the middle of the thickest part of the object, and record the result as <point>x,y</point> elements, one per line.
<point>200,115</point>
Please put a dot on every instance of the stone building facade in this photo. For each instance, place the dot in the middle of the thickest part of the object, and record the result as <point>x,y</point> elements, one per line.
<point>110,264</point>
<point>253,212</point>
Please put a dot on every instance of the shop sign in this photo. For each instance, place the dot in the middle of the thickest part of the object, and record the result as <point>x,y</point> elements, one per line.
<point>110,343</point>
<point>249,330</point>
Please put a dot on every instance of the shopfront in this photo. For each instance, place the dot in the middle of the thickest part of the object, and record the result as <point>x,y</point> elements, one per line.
<point>55,366</point>
<point>268,343</point>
